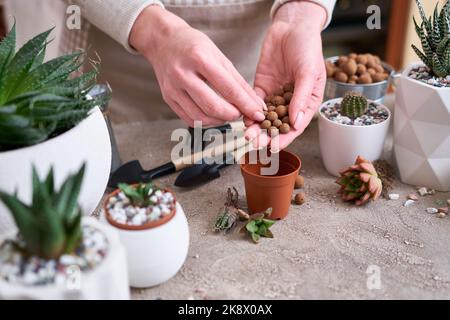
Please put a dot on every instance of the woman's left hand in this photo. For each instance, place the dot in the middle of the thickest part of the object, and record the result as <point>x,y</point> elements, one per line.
<point>292,52</point>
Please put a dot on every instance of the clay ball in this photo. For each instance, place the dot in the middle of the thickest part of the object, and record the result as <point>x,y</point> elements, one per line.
<point>299,182</point>
<point>272,116</point>
<point>266,124</point>
<point>277,123</point>
<point>365,78</point>
<point>281,111</point>
<point>277,100</point>
<point>350,67</point>
<point>285,128</point>
<point>273,131</point>
<point>340,77</point>
<point>285,119</point>
<point>362,59</point>
<point>360,69</point>
<point>300,198</point>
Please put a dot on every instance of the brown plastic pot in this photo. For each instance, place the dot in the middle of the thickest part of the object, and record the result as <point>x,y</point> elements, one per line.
<point>275,191</point>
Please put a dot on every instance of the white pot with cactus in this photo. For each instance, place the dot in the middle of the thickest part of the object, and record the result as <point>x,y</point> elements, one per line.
<point>422,107</point>
<point>153,228</point>
<point>350,127</point>
<point>57,253</point>
<point>47,119</point>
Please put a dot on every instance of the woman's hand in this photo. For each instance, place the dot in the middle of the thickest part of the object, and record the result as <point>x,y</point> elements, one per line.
<point>197,81</point>
<point>292,52</point>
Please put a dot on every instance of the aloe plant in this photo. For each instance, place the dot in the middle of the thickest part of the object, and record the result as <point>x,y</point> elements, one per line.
<point>39,100</point>
<point>434,34</point>
<point>51,225</point>
<point>139,195</point>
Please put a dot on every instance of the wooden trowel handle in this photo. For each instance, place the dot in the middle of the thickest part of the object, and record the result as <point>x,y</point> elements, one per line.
<point>209,152</point>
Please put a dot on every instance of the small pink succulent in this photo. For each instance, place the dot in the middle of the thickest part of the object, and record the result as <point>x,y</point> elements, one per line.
<point>360,182</point>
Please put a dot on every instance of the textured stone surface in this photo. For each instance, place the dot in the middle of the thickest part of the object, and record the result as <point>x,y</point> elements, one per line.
<point>322,249</point>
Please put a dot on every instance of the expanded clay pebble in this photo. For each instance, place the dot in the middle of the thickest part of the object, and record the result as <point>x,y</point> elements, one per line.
<point>277,114</point>
<point>300,198</point>
<point>357,69</point>
<point>299,182</point>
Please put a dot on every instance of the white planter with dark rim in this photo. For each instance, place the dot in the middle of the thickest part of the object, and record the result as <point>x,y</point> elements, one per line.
<point>87,142</point>
<point>108,280</point>
<point>156,251</point>
<point>340,144</point>
<point>422,132</point>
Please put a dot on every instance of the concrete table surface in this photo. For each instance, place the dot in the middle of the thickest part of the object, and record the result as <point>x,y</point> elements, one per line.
<point>321,251</point>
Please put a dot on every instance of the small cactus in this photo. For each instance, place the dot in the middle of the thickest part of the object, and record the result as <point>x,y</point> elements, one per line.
<point>353,105</point>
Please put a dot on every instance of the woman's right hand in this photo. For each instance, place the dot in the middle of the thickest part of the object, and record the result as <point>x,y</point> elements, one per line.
<point>197,81</point>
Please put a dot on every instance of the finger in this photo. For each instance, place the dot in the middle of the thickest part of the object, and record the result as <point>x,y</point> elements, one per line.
<point>180,113</point>
<point>260,92</point>
<point>250,91</point>
<point>299,103</point>
<point>186,102</point>
<point>226,85</point>
<point>210,102</point>
<point>286,139</point>
<point>248,122</point>
<point>258,137</point>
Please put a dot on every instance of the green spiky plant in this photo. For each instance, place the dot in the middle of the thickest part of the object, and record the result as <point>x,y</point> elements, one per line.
<point>434,34</point>
<point>354,105</point>
<point>39,100</point>
<point>51,225</point>
<point>139,195</point>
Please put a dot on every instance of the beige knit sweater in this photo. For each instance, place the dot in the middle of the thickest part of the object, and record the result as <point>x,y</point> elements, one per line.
<point>116,17</point>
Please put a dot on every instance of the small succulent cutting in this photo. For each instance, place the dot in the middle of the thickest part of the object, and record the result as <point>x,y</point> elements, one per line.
<point>354,105</point>
<point>51,225</point>
<point>360,182</point>
<point>258,226</point>
<point>39,100</point>
<point>434,34</point>
<point>139,195</point>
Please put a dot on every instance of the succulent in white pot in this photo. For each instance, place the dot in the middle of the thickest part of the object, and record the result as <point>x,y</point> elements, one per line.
<point>153,228</point>
<point>422,107</point>
<point>350,127</point>
<point>48,119</point>
<point>57,253</point>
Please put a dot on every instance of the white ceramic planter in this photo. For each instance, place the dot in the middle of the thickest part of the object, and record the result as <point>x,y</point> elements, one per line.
<point>87,142</point>
<point>422,133</point>
<point>340,144</point>
<point>108,281</point>
<point>155,255</point>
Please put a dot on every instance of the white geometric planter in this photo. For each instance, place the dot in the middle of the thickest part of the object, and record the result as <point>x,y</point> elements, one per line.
<point>422,133</point>
<point>87,142</point>
<point>108,281</point>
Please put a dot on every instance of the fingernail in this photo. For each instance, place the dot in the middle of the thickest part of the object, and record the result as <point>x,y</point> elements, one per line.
<point>259,116</point>
<point>298,121</point>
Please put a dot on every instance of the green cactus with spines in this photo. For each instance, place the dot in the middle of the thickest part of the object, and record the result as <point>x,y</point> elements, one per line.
<point>51,225</point>
<point>434,34</point>
<point>354,105</point>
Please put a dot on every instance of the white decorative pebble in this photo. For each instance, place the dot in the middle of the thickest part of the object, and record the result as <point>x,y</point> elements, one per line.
<point>432,210</point>
<point>422,191</point>
<point>408,203</point>
<point>394,196</point>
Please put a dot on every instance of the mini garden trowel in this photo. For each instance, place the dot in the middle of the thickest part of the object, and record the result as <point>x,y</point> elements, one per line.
<point>207,170</point>
<point>133,172</point>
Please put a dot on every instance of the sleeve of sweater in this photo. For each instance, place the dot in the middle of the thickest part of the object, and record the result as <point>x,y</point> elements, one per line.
<point>115,17</point>
<point>328,5</point>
